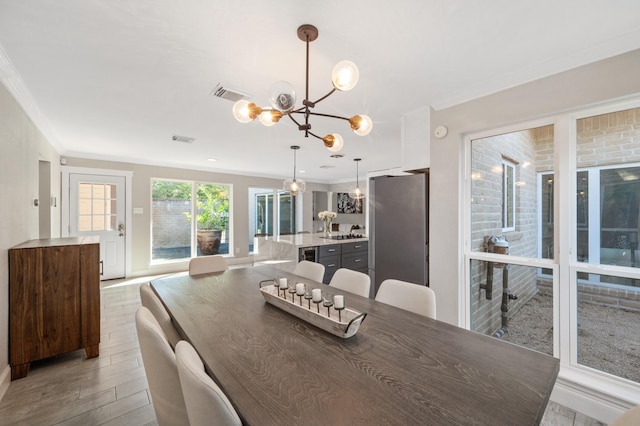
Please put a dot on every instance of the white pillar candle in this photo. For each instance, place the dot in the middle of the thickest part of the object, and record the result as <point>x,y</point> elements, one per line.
<point>338,301</point>
<point>300,289</point>
<point>316,293</point>
<point>284,283</point>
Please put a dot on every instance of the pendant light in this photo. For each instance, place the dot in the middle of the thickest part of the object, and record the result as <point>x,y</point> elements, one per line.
<point>356,193</point>
<point>292,185</point>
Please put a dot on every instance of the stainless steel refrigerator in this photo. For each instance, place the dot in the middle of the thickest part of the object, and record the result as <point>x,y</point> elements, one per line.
<point>399,229</point>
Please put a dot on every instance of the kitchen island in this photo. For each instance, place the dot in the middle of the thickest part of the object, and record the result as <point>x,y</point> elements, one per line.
<point>343,250</point>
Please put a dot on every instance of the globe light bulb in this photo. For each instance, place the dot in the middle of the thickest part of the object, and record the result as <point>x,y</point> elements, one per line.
<point>282,96</point>
<point>266,118</point>
<point>241,111</point>
<point>345,75</point>
<point>365,126</point>
<point>333,142</point>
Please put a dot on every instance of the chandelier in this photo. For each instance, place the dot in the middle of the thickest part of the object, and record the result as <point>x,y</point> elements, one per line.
<point>282,97</point>
<point>292,185</point>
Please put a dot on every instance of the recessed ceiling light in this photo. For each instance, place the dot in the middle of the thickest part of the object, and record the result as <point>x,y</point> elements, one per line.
<point>212,159</point>
<point>302,171</point>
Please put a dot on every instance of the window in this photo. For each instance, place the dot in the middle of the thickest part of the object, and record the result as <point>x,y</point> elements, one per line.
<point>607,322</point>
<point>584,298</point>
<point>508,195</point>
<point>96,209</point>
<point>512,177</point>
<point>267,218</point>
<point>174,234</point>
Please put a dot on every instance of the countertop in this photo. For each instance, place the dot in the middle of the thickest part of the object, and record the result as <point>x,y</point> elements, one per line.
<point>304,240</point>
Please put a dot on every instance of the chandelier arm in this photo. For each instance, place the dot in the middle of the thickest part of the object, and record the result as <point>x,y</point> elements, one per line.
<point>328,115</point>
<point>325,96</point>
<point>293,119</point>
<point>314,135</point>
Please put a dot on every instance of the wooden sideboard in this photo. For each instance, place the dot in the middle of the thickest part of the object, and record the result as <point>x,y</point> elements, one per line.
<point>54,300</point>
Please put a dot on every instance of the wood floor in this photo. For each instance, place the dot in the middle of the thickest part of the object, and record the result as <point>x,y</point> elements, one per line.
<point>72,390</point>
<point>112,389</point>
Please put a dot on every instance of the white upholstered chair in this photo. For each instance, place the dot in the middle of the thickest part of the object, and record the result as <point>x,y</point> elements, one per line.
<point>310,270</point>
<point>416,298</point>
<point>207,264</point>
<point>205,401</point>
<point>351,281</point>
<point>161,370</point>
<point>153,303</point>
<point>629,418</point>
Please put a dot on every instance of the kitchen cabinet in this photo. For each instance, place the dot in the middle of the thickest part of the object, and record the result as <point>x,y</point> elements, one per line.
<point>355,256</point>
<point>351,255</point>
<point>54,300</point>
<point>329,256</point>
<point>415,140</point>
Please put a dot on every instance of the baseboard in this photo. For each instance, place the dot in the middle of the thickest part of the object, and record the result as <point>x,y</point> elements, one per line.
<point>5,380</point>
<point>598,405</point>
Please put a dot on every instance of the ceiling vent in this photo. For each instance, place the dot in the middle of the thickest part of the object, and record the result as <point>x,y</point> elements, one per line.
<point>225,92</point>
<point>184,139</point>
<point>326,166</point>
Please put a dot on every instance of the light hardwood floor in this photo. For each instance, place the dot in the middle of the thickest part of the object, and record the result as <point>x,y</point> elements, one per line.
<point>112,389</point>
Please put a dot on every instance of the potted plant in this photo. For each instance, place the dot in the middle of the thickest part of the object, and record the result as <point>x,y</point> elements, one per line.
<point>212,218</point>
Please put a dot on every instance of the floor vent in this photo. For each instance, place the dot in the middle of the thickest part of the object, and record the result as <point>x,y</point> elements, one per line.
<point>225,92</point>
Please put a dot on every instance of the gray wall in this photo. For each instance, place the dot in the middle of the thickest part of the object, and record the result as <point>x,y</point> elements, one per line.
<point>22,146</point>
<point>140,227</point>
<point>591,84</point>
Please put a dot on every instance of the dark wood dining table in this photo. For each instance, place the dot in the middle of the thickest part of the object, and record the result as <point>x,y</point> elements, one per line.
<point>399,369</point>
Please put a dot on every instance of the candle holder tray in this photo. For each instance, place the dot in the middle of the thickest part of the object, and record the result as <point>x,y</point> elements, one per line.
<point>346,327</point>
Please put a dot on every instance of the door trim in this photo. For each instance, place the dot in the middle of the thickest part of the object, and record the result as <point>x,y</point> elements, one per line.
<point>65,171</point>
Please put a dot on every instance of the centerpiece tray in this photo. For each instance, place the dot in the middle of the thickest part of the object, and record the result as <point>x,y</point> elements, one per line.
<point>344,324</point>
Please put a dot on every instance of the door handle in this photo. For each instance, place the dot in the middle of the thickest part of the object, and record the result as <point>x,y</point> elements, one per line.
<point>101,267</point>
<point>121,230</point>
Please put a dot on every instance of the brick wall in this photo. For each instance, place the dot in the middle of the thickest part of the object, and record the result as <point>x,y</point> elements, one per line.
<point>170,225</point>
<point>609,139</point>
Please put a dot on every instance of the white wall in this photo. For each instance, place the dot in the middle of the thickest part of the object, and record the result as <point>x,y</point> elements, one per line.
<point>21,148</point>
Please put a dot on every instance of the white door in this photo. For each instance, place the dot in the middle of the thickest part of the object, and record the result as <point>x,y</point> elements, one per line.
<point>97,207</point>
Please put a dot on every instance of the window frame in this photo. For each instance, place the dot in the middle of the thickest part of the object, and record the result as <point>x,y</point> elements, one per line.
<point>193,224</point>
<point>508,191</point>
<point>587,382</point>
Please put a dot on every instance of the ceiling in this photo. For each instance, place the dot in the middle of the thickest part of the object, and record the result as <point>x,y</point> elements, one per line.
<point>117,79</point>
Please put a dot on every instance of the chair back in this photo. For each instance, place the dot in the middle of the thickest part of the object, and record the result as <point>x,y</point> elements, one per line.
<point>416,298</point>
<point>207,264</point>
<point>161,370</point>
<point>630,417</point>
<point>205,401</point>
<point>351,281</point>
<point>153,303</point>
<point>310,270</point>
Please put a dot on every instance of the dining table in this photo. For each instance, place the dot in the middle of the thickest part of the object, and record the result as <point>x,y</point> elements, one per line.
<point>400,368</point>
